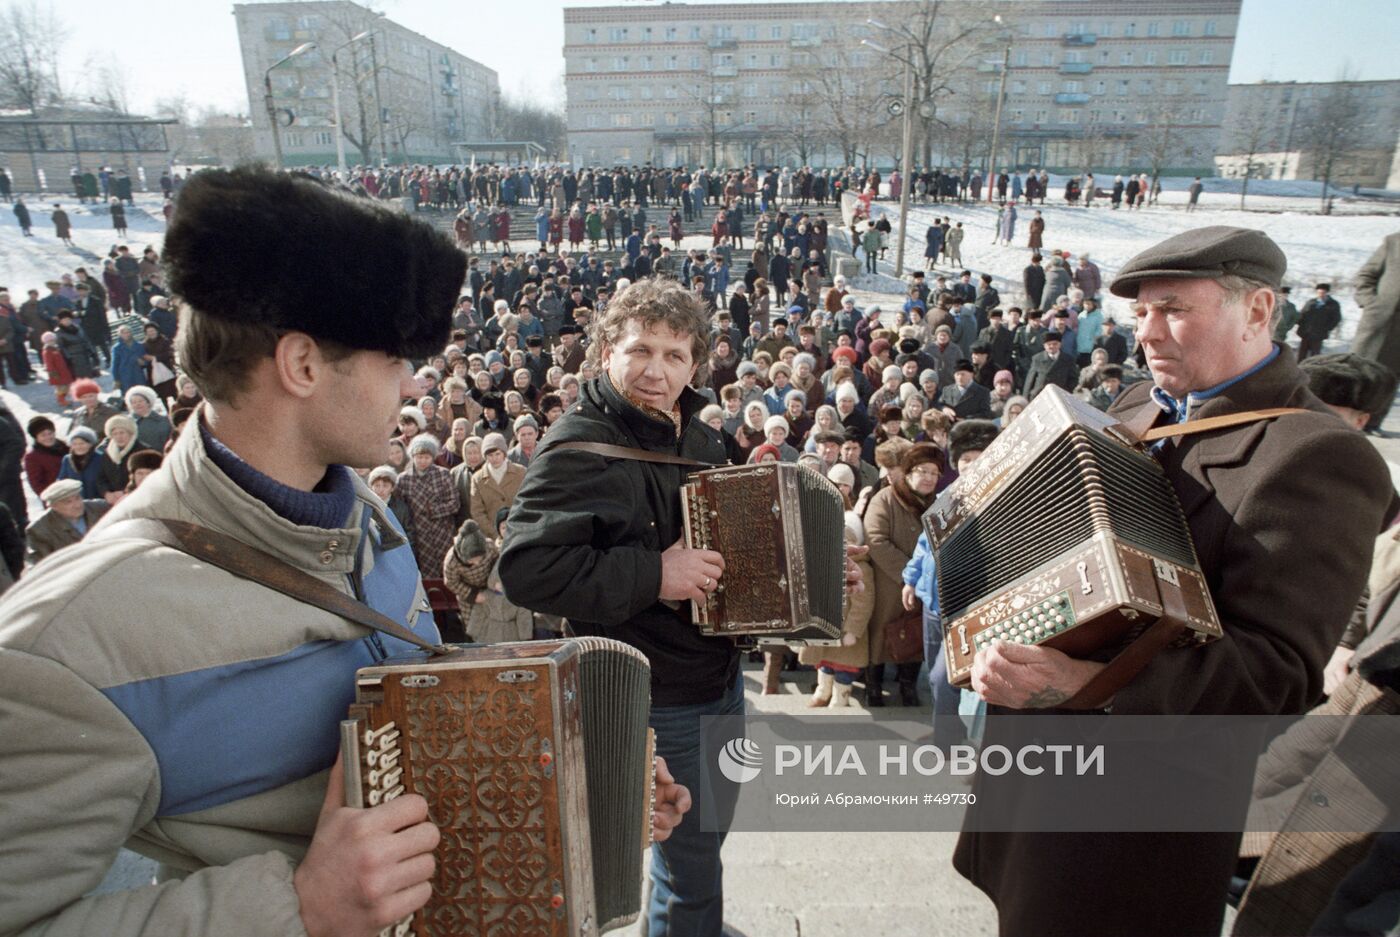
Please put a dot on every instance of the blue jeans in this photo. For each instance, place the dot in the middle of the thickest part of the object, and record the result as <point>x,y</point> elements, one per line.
<point>947,727</point>
<point>687,880</point>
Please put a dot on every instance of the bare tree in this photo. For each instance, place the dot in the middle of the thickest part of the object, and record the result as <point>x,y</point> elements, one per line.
<point>847,92</point>
<point>1163,142</point>
<point>31,48</point>
<point>524,119</point>
<point>714,101</point>
<point>356,71</point>
<point>1334,129</point>
<point>109,84</point>
<point>1253,131</point>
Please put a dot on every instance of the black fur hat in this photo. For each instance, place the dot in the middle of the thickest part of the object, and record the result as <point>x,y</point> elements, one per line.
<point>970,436</point>
<point>1350,381</point>
<point>289,252</point>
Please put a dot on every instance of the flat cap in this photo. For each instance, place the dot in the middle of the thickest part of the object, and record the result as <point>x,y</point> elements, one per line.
<point>65,488</point>
<point>1204,254</point>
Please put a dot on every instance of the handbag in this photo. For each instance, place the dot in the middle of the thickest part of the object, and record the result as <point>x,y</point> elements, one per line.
<point>904,636</point>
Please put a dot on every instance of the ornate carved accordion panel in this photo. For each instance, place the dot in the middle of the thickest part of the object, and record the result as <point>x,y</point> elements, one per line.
<point>780,530</point>
<point>1063,534</point>
<point>535,759</point>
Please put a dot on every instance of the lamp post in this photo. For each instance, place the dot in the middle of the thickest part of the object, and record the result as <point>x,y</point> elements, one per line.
<point>335,102</point>
<point>906,148</point>
<point>996,120</point>
<point>267,99</point>
<point>378,103</point>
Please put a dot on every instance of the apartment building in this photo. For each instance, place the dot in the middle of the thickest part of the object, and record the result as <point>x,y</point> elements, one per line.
<point>1273,120</point>
<point>1094,81</point>
<point>403,97</point>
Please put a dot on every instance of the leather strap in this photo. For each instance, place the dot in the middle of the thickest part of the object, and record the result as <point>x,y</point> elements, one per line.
<point>627,452</point>
<point>1191,427</point>
<point>246,562</point>
<point>1099,691</point>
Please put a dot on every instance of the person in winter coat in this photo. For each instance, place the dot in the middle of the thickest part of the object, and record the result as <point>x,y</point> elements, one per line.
<point>1037,231</point>
<point>127,369</point>
<point>496,483</point>
<point>94,412</point>
<point>1057,282</point>
<point>1319,317</point>
<point>81,462</point>
<point>152,426</point>
<point>23,218</point>
<point>12,453</point>
<point>1033,281</point>
<point>470,571</point>
<point>76,349</point>
<point>44,460</point>
<point>159,359</point>
<point>933,244</point>
<point>1051,366</point>
<point>432,503</point>
<point>62,227</point>
<point>114,455</point>
<point>1378,295</point>
<point>118,296</point>
<point>68,519</point>
<point>60,374</point>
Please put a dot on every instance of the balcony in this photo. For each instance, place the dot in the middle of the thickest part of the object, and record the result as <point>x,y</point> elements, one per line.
<point>1066,97</point>
<point>725,71</point>
<point>718,43</point>
<point>1080,39</point>
<point>1076,68</point>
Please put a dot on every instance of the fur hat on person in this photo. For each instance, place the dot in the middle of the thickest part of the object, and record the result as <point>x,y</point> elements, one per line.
<point>891,371</point>
<point>493,442</point>
<point>120,421</point>
<point>775,422</point>
<point>842,474</point>
<point>922,453</point>
<point>845,353</point>
<point>711,412</point>
<point>63,488</point>
<point>1351,381</point>
<point>847,391</point>
<point>328,263</point>
<point>745,368</point>
<point>140,391</point>
<point>386,472</point>
<point>82,432</point>
<point>37,424</point>
<point>415,414</point>
<point>970,436</point>
<point>144,459</point>
<point>83,386</point>
<point>423,442</point>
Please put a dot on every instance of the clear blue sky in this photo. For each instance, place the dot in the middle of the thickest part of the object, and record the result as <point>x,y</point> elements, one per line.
<point>190,45</point>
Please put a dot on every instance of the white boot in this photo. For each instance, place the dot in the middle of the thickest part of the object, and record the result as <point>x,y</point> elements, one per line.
<point>841,696</point>
<point>822,695</point>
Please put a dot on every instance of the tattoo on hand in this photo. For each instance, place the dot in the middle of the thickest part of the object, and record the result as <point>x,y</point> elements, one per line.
<point>1046,697</point>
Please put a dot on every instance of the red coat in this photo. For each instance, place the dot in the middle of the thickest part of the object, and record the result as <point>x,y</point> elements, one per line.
<point>502,226</point>
<point>575,229</point>
<point>60,375</point>
<point>556,230</point>
<point>41,465</point>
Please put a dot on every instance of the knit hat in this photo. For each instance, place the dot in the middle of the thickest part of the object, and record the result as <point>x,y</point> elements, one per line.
<point>773,422</point>
<point>765,450</point>
<point>879,347</point>
<point>891,371</point>
<point>1003,375</point>
<point>803,357</point>
<point>847,391</point>
<point>82,432</point>
<point>470,541</point>
<point>386,472</point>
<point>926,375</point>
<point>747,367</point>
<point>492,442</point>
<point>83,387</point>
<point>943,329</point>
<point>37,424</point>
<point>144,459</point>
<point>524,419</point>
<point>120,421</point>
<point>494,357</point>
<point>414,414</point>
<point>845,353</point>
<point>423,442</point>
<point>842,474</point>
<point>64,488</point>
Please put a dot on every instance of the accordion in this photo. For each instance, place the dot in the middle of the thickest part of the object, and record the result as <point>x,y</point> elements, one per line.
<point>536,762</point>
<point>781,530</point>
<point>1085,573</point>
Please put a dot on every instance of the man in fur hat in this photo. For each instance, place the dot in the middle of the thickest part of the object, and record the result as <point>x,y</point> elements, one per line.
<point>205,731</point>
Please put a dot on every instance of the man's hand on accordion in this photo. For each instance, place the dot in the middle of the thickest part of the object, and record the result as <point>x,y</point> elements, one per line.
<point>366,868</point>
<point>1028,676</point>
<point>672,801</point>
<point>689,574</point>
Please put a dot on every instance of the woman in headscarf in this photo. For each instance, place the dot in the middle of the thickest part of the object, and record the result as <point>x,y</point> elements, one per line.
<point>724,364</point>
<point>82,462</point>
<point>433,423</point>
<point>398,456</point>
<point>432,504</point>
<point>152,426</point>
<point>113,455</point>
<point>469,570</point>
<point>457,403</point>
<point>826,420</point>
<point>187,395</point>
<point>381,481</point>
<point>451,454</point>
<point>799,423</point>
<point>751,435</point>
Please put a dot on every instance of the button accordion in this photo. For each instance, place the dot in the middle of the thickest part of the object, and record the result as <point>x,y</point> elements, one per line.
<point>1063,533</point>
<point>536,762</point>
<point>780,528</point>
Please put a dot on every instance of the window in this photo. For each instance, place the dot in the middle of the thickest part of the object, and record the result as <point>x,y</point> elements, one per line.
<point>1047,59</point>
<point>751,117</point>
<point>620,63</point>
<point>617,34</point>
<point>591,65</point>
<point>1105,30</point>
<point>1070,116</point>
<point>1126,58</point>
<point>751,61</point>
<point>724,32</point>
<point>1197,115</point>
<point>1043,87</point>
<point>775,60</point>
<point>1020,58</point>
<point>1149,57</point>
<point>672,92</point>
<point>1095,116</point>
<point>1103,56</point>
<point>1074,87</point>
<point>1079,29</point>
<point>1073,58</point>
<point>1142,117</point>
<point>1145,86</point>
<point>622,120</point>
<point>670,34</point>
<point>590,93</point>
<point>672,63</point>
<point>695,32</point>
<point>1178,57</point>
<point>1018,87</point>
<point>624,154</point>
<point>1050,31</point>
<point>620,93</point>
<point>750,33</point>
<point>1171,87</point>
<point>1207,56</point>
<point>646,34</point>
<point>1210,29</point>
<point>694,62</point>
<point>1018,116</point>
<point>751,89</point>
<point>1202,86</point>
<point>1100,87</point>
<point>672,119</point>
<point>1120,117</point>
<point>1181,28</point>
<point>594,121</point>
<point>775,32</point>
<point>323,138</point>
<point>645,63</point>
<point>990,87</point>
<point>590,36</point>
<point>646,119</point>
<point>1154,29</point>
<point>1130,30</point>
<point>1041,116</point>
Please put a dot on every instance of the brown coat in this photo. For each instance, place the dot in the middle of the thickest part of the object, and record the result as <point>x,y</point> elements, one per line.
<point>855,620</point>
<point>1037,229</point>
<point>488,497</point>
<point>1253,496</point>
<point>892,530</point>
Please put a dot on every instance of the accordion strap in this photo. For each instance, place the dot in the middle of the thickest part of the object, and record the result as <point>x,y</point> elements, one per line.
<point>1100,690</point>
<point>1140,425</point>
<point>246,562</point>
<point>627,452</point>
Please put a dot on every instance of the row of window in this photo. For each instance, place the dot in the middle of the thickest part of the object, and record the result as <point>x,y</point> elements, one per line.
<point>753,32</point>
<point>670,63</point>
<point>1106,30</point>
<point>317,137</point>
<point>1071,116</point>
<point>643,119</point>
<point>1022,58</point>
<point>1122,87</point>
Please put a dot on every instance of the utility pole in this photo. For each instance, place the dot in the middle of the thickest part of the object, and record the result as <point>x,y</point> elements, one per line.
<point>267,97</point>
<point>996,121</point>
<point>335,101</point>
<point>905,161</point>
<point>378,103</point>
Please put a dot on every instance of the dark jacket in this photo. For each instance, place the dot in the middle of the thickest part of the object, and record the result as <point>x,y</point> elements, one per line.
<point>81,356</point>
<point>975,403</point>
<point>1043,372</point>
<point>1033,282</point>
<point>1319,317</point>
<point>1002,345</point>
<point>1116,345</point>
<point>1252,496</point>
<point>586,534</point>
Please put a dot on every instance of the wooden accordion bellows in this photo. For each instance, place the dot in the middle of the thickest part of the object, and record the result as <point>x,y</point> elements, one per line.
<point>1062,533</point>
<point>780,529</point>
<point>536,762</point>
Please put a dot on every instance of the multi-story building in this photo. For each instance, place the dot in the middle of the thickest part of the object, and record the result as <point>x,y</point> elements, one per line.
<point>403,97</point>
<point>1088,84</point>
<point>1272,126</point>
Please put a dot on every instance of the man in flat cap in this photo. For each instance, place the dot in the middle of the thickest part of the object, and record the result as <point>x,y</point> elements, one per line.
<point>157,702</point>
<point>1252,496</point>
<point>68,519</point>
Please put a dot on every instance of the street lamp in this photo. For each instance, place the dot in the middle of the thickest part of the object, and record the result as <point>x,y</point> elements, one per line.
<point>906,157</point>
<point>335,102</point>
<point>267,88</point>
<point>996,121</point>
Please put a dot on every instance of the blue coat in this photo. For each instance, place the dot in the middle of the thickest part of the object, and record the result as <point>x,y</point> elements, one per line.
<point>542,227</point>
<point>919,573</point>
<point>89,475</point>
<point>934,238</point>
<point>127,371</point>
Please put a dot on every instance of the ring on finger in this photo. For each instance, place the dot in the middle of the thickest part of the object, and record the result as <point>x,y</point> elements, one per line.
<point>707,582</point>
